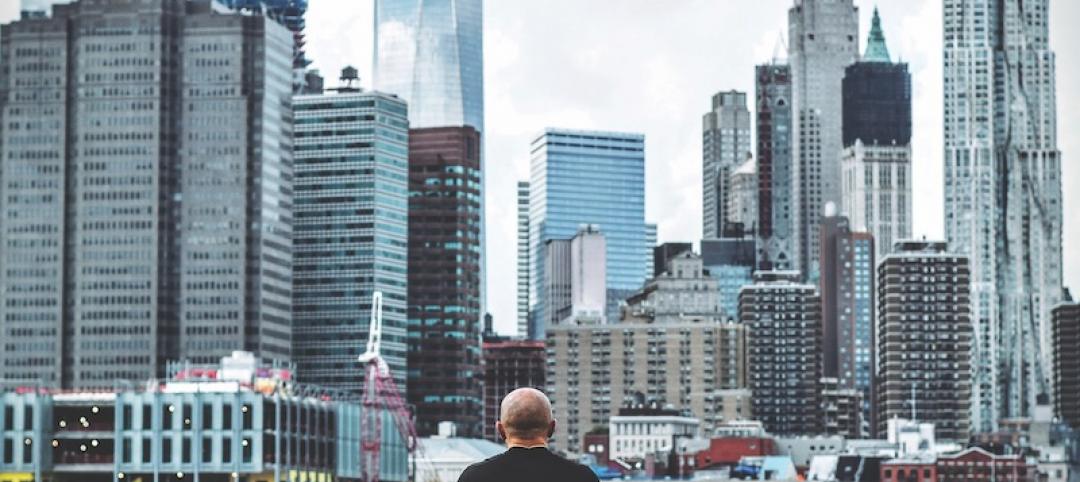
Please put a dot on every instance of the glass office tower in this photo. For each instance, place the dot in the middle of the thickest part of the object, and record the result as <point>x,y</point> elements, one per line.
<point>431,53</point>
<point>351,233</point>
<point>147,194</point>
<point>588,177</point>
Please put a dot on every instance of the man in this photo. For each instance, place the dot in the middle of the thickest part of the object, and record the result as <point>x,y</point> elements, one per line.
<point>525,423</point>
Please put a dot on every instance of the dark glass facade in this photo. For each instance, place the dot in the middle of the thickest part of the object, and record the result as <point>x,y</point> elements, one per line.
<point>350,233</point>
<point>444,375</point>
<point>877,104</point>
<point>663,253</point>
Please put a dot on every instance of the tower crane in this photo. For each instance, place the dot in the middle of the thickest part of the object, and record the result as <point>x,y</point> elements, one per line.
<point>380,394</point>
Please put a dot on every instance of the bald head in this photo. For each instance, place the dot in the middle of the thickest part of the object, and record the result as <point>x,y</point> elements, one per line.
<point>526,414</point>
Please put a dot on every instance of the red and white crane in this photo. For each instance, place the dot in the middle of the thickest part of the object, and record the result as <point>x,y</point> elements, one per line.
<point>380,394</point>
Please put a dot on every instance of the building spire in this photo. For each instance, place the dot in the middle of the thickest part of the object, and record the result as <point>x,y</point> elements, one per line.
<point>876,51</point>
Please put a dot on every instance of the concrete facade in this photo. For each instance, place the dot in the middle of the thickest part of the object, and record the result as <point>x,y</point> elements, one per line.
<point>785,352</point>
<point>877,192</point>
<point>594,369</point>
<point>725,145</point>
<point>158,166</point>
<point>924,338</point>
<point>1066,320</point>
<point>822,42</point>
<point>684,292</point>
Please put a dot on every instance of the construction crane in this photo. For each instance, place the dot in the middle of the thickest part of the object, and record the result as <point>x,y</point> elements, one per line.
<point>380,394</point>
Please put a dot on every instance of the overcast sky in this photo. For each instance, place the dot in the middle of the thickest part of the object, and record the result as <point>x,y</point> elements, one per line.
<point>651,66</point>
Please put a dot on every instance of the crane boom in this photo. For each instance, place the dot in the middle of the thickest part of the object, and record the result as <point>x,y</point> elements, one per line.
<point>380,396</point>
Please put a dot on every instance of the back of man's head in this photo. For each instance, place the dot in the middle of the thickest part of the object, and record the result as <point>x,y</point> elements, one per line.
<point>525,417</point>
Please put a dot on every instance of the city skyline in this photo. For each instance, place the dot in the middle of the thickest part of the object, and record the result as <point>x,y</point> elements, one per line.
<point>863,248</point>
<point>673,79</point>
<point>672,123</point>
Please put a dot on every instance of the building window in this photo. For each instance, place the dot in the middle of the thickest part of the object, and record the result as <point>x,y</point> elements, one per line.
<point>185,451</point>
<point>187,415</point>
<point>166,450</point>
<point>146,451</point>
<point>147,417</point>
<point>128,414</point>
<point>226,416</point>
<point>207,416</point>
<point>167,417</point>
<point>245,412</point>
<point>245,445</point>
<point>226,450</point>
<point>207,450</point>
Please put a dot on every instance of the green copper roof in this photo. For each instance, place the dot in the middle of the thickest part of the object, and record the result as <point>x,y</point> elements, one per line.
<point>876,51</point>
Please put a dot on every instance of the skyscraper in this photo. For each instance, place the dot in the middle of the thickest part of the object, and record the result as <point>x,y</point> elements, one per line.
<point>339,260</point>
<point>876,164</point>
<point>523,258</point>
<point>742,197</point>
<point>588,177</point>
<point>776,232</point>
<point>1003,205</point>
<point>924,338</point>
<point>431,53</point>
<point>1066,319</point>
<point>725,141</point>
<point>157,165</point>
<point>847,308</point>
<point>289,13</point>
<point>877,194</point>
<point>822,36</point>
<point>444,280</point>
<point>784,362</point>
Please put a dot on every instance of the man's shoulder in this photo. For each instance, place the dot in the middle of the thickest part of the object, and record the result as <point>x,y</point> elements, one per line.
<point>478,470</point>
<point>494,467</point>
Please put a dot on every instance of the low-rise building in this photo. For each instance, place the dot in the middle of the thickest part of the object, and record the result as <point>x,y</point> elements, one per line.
<point>248,426</point>
<point>913,469</point>
<point>978,465</point>
<point>443,458</point>
<point>727,451</point>
<point>638,431</point>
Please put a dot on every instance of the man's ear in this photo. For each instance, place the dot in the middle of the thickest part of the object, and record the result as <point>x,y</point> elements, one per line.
<point>500,429</point>
<point>551,429</point>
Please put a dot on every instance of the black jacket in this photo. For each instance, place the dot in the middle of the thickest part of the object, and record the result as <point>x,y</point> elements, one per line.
<point>520,464</point>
